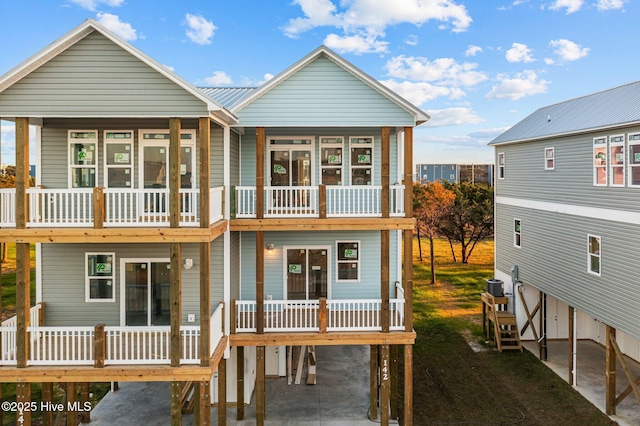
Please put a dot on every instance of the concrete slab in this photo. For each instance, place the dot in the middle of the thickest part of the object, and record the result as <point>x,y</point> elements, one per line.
<point>591,381</point>
<point>340,397</point>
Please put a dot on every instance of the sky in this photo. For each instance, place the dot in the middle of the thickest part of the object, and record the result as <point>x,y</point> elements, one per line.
<point>476,67</point>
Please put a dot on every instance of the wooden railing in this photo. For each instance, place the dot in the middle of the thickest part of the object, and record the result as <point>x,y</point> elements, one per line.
<point>317,315</point>
<point>312,201</point>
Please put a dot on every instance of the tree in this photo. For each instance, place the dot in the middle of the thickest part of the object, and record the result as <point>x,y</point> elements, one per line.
<point>470,219</point>
<point>431,204</point>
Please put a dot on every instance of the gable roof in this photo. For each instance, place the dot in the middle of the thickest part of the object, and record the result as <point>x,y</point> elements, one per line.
<point>420,116</point>
<point>601,110</point>
<point>88,27</point>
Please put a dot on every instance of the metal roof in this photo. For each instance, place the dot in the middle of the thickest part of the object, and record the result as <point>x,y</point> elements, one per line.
<point>228,97</point>
<point>609,108</point>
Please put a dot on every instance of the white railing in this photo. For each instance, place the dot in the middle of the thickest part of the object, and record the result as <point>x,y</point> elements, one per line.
<point>216,197</point>
<point>245,201</point>
<point>190,344</point>
<point>216,330</point>
<point>245,316</point>
<point>291,315</point>
<point>351,315</point>
<point>8,335</point>
<point>61,345</point>
<point>396,195</point>
<point>149,345</point>
<point>396,312</point>
<point>291,201</point>
<point>7,207</point>
<point>349,201</point>
<point>60,207</point>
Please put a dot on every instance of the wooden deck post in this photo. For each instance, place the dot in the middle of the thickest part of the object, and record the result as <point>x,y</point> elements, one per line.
<point>384,199</point>
<point>47,396</point>
<point>543,326</point>
<point>176,403</point>
<point>393,354</point>
<point>408,385</point>
<point>408,280</point>
<point>175,302</point>
<point>23,303</point>
<point>384,280</point>
<point>610,372</point>
<point>203,409</point>
<point>204,137</point>
<point>373,382</point>
<point>385,386</point>
<point>23,395</point>
<point>572,348</point>
<point>205,304</point>
<point>72,415</point>
<point>240,382</point>
<point>174,172</point>
<point>99,346</point>
<point>259,282</point>
<point>222,392</point>
<point>22,172</point>
<point>99,211</point>
<point>322,201</point>
<point>408,172</point>
<point>260,386</point>
<point>85,416</point>
<point>322,314</point>
<point>260,144</point>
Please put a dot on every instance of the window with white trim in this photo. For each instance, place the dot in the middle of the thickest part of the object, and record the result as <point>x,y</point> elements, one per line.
<point>501,165</point>
<point>361,151</point>
<point>549,158</point>
<point>331,156</point>
<point>594,254</point>
<point>517,233</point>
<point>634,159</point>
<point>616,159</point>
<point>600,161</point>
<point>118,159</point>
<point>100,277</point>
<point>83,158</point>
<point>348,261</point>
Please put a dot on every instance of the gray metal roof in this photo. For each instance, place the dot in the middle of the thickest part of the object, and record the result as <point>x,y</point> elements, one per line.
<point>613,107</point>
<point>228,97</point>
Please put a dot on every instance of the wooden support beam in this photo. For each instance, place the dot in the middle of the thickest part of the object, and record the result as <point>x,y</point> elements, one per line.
<point>47,397</point>
<point>176,403</point>
<point>322,201</point>
<point>260,153</point>
<point>385,170</point>
<point>203,408</point>
<point>240,382</point>
<point>205,304</point>
<point>610,372</point>
<point>204,137</point>
<point>313,224</point>
<point>543,326</point>
<point>99,346</point>
<point>175,303</point>
<point>408,171</point>
<point>22,172</point>
<point>633,383</point>
<point>233,317</point>
<point>99,212</point>
<point>529,317</point>
<point>322,315</point>
<point>260,386</point>
<point>326,339</point>
<point>408,385</point>
<point>393,354</point>
<point>85,415</point>
<point>174,172</point>
<point>222,392</point>
<point>384,280</point>
<point>23,303</point>
<point>572,348</point>
<point>72,415</point>
<point>385,384</point>
<point>260,282</point>
<point>408,280</point>
<point>23,397</point>
<point>373,382</point>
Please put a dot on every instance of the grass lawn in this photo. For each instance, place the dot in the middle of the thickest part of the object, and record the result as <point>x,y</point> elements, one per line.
<point>455,385</point>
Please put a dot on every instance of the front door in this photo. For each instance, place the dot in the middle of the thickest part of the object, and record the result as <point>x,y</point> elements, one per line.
<point>307,272</point>
<point>146,292</point>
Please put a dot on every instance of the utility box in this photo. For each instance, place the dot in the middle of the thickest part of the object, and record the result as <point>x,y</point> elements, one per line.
<point>495,287</point>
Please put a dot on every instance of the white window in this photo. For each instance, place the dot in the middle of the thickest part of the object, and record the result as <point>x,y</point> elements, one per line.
<point>517,235</point>
<point>501,165</point>
<point>361,151</point>
<point>83,158</point>
<point>331,155</point>
<point>99,277</point>
<point>348,261</point>
<point>549,158</point>
<point>634,159</point>
<point>600,161</point>
<point>594,254</point>
<point>118,159</point>
<point>153,158</point>
<point>616,159</point>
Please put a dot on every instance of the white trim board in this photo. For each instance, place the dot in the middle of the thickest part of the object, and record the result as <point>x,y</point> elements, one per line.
<point>621,216</point>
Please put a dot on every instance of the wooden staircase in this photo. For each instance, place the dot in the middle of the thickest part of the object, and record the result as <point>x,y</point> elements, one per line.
<point>505,327</point>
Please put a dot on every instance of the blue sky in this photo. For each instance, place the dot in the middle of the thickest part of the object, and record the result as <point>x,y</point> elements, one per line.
<point>477,67</point>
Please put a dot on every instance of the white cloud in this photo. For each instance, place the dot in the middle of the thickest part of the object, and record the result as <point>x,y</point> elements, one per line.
<point>115,25</point>
<point>443,70</point>
<point>412,40</point>
<point>571,5</point>
<point>519,53</point>
<point>93,4</point>
<point>200,30</point>
<point>358,44</point>
<point>421,92</point>
<point>473,50</point>
<point>522,84</point>
<point>610,4</point>
<point>247,82</point>
<point>452,117</point>
<point>568,50</point>
<point>169,67</point>
<point>218,78</point>
<point>488,133</point>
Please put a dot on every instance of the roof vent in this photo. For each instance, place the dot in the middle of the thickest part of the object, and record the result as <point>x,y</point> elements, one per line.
<point>548,118</point>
